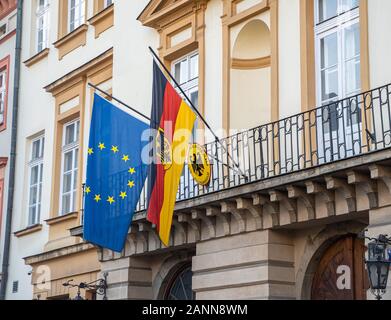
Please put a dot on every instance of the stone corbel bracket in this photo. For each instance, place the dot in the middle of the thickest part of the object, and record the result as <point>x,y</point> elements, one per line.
<point>328,196</point>
<point>366,184</point>
<point>270,211</point>
<point>381,173</point>
<point>295,192</point>
<point>208,221</point>
<point>290,205</point>
<point>348,191</point>
<point>237,215</point>
<point>194,234</point>
<point>253,211</point>
<point>222,221</point>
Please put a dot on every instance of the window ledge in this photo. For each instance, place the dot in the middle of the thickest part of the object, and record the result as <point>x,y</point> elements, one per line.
<point>36,58</point>
<point>59,219</point>
<point>71,41</point>
<point>103,20</point>
<point>27,231</point>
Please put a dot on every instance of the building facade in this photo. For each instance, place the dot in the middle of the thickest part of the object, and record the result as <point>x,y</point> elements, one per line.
<point>301,88</point>
<point>7,67</point>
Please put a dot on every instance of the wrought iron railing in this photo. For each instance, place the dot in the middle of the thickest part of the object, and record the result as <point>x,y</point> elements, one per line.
<point>342,129</point>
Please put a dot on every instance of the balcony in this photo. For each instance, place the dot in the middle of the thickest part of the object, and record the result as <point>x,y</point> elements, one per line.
<point>316,165</point>
<point>344,129</point>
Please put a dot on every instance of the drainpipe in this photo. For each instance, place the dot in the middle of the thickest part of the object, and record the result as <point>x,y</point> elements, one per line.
<point>11,182</point>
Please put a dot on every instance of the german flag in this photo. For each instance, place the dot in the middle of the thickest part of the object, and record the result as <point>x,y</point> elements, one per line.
<point>173,121</point>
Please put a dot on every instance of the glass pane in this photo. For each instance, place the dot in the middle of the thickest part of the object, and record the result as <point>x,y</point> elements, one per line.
<point>327,9</point>
<point>347,5</point>
<point>42,147</point>
<point>77,131</point>
<point>194,67</point>
<point>76,158</point>
<point>35,154</point>
<point>40,172</point>
<point>194,98</point>
<point>329,51</point>
<point>33,195</point>
<point>67,182</point>
<point>68,161</point>
<point>75,179</point>
<point>70,134</point>
<point>34,175</point>
<point>353,80</point>
<point>32,218</point>
<point>73,208</point>
<point>329,85</point>
<point>181,72</point>
<point>352,41</point>
<point>66,204</point>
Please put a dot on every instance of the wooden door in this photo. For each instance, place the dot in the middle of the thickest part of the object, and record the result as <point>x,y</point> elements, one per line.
<point>341,272</point>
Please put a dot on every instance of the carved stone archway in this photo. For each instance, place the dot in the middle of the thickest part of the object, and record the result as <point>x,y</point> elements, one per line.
<point>315,248</point>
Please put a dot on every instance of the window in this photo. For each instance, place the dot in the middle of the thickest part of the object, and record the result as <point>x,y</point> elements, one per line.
<point>76,14</point>
<point>42,20</point>
<point>180,287</point>
<point>70,153</point>
<point>35,180</point>
<point>185,71</point>
<point>3,95</point>
<point>338,49</point>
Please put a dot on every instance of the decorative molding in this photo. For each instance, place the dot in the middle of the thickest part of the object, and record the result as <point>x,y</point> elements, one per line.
<point>249,64</point>
<point>71,41</point>
<point>59,219</point>
<point>75,75</point>
<point>103,20</point>
<point>36,58</point>
<point>28,231</point>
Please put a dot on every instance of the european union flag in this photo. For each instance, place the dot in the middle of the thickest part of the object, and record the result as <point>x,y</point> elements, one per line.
<point>115,174</point>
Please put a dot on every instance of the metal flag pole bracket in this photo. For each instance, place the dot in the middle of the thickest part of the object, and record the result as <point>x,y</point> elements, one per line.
<point>119,101</point>
<point>198,113</point>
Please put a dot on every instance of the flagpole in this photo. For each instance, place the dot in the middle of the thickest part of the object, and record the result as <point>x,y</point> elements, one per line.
<point>198,113</point>
<point>144,116</point>
<point>119,101</point>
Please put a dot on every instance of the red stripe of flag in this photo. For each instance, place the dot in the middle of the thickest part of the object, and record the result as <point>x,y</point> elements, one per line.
<point>171,104</point>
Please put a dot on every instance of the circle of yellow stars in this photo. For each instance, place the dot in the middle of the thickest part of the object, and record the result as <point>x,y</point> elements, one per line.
<point>131,184</point>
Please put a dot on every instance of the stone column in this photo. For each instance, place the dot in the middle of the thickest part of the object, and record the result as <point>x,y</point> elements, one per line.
<point>128,279</point>
<point>256,265</point>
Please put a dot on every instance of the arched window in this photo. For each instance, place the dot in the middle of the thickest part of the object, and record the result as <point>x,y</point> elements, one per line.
<point>180,287</point>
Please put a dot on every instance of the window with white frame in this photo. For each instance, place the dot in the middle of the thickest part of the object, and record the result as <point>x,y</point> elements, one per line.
<point>186,72</point>
<point>76,14</point>
<point>42,25</point>
<point>70,153</point>
<point>35,180</point>
<point>108,3</point>
<point>338,49</point>
<point>3,95</point>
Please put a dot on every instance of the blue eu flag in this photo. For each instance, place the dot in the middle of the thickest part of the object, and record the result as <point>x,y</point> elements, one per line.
<point>115,174</point>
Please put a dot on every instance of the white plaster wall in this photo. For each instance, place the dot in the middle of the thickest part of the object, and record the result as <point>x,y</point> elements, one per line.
<point>289,57</point>
<point>379,42</point>
<point>214,66</point>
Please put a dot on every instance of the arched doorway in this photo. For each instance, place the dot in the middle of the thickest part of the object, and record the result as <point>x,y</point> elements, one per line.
<point>180,285</point>
<point>341,273</point>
